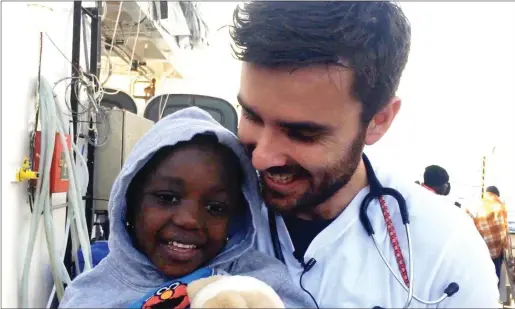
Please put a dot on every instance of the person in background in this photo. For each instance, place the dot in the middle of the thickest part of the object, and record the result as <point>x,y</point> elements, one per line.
<point>491,220</point>
<point>436,179</point>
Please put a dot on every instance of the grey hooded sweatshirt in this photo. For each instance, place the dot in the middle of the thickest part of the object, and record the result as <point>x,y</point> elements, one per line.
<point>126,276</point>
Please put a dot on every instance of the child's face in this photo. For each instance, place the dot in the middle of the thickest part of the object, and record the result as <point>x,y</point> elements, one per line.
<point>186,206</point>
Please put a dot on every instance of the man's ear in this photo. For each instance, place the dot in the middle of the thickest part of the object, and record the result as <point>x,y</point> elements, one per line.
<point>382,121</point>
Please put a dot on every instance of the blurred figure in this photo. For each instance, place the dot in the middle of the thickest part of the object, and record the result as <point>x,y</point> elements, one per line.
<point>491,220</point>
<point>150,91</point>
<point>417,182</point>
<point>436,179</point>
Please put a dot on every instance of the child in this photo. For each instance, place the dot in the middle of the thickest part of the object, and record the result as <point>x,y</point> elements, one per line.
<point>184,207</point>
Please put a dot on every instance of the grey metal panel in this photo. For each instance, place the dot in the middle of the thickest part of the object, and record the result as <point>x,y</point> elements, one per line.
<point>126,129</point>
<point>135,127</point>
<point>108,160</point>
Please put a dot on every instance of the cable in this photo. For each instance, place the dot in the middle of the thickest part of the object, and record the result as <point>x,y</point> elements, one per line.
<point>113,40</point>
<point>115,28</point>
<point>104,10</point>
<point>89,93</point>
<point>133,47</point>
<point>113,43</point>
<point>196,24</point>
<point>163,107</point>
<point>52,123</point>
<point>135,41</point>
<point>42,185</point>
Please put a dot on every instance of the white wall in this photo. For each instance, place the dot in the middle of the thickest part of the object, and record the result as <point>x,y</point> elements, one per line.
<point>458,94</point>
<point>20,53</point>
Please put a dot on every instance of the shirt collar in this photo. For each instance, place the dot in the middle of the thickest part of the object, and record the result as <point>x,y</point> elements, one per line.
<point>429,188</point>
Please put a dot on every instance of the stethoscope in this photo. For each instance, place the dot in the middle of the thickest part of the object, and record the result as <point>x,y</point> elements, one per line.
<point>377,191</point>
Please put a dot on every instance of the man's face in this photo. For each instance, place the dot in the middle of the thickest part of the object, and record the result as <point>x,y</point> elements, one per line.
<point>303,132</point>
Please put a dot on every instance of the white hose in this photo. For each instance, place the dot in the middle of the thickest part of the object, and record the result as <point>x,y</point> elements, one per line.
<point>55,262</point>
<point>42,186</point>
<point>75,197</point>
<point>65,276</point>
<point>52,123</point>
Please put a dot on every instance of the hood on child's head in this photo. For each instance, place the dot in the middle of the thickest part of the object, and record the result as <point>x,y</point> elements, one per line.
<point>181,203</point>
<point>173,148</point>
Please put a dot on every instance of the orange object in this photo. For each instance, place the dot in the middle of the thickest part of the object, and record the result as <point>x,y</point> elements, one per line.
<point>59,171</point>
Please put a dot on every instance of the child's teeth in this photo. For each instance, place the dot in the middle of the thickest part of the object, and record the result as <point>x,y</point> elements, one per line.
<point>179,245</point>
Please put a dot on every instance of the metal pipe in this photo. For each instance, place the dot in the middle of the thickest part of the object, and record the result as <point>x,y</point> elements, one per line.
<point>93,69</point>
<point>74,103</point>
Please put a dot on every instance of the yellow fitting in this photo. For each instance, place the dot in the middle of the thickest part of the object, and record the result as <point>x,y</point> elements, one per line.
<point>25,173</point>
<point>26,163</point>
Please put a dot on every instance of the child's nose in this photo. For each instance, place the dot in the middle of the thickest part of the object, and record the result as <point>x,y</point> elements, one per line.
<point>188,215</point>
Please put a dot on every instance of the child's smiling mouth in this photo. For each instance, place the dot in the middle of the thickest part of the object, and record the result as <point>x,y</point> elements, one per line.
<point>180,246</point>
<point>179,252</point>
<point>180,249</point>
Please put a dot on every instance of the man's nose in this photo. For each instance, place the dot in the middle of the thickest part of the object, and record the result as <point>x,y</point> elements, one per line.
<point>269,151</point>
<point>188,215</point>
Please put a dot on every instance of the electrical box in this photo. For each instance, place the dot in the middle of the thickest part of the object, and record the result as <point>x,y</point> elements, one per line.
<point>126,129</point>
<point>59,170</point>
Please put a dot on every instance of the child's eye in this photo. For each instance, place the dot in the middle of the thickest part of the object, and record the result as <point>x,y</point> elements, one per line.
<point>168,198</point>
<point>217,209</point>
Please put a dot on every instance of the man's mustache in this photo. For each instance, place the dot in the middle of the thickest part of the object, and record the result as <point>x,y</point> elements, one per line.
<point>294,169</point>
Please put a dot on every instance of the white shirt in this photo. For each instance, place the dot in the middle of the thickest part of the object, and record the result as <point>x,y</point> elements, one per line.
<point>349,272</point>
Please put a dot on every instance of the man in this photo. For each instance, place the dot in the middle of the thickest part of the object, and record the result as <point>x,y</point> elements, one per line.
<point>436,179</point>
<point>491,220</point>
<point>318,83</point>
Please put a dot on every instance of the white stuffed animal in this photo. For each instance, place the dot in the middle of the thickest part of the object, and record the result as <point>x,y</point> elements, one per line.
<point>232,292</point>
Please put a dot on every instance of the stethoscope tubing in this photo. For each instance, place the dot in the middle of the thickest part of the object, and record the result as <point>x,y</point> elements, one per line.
<point>376,191</point>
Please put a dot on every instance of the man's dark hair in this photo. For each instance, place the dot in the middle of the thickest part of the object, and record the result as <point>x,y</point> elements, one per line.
<point>435,176</point>
<point>494,190</point>
<point>372,38</point>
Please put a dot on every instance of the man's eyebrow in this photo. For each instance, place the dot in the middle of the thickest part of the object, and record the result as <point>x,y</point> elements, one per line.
<point>245,107</point>
<point>305,126</point>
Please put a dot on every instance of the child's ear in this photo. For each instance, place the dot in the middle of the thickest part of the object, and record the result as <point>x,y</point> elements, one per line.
<point>197,285</point>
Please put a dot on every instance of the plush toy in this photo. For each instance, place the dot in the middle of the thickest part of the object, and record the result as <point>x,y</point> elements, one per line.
<point>232,292</point>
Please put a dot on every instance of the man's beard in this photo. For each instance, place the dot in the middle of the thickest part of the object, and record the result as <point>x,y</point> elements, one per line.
<point>332,180</point>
